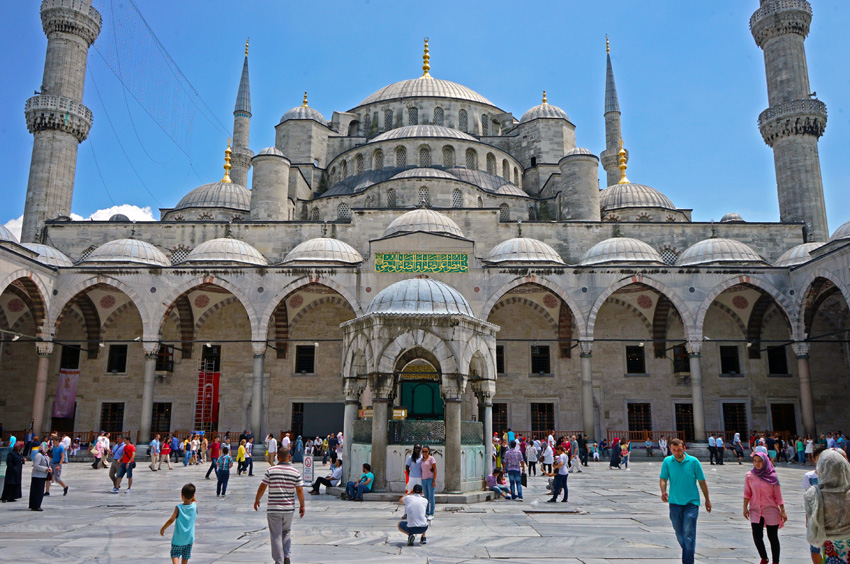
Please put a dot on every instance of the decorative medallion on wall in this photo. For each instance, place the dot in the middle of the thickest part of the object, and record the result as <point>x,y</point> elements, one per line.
<point>15,305</point>
<point>644,301</point>
<point>550,301</point>
<point>107,301</point>
<point>296,301</point>
<point>202,301</point>
<point>740,302</point>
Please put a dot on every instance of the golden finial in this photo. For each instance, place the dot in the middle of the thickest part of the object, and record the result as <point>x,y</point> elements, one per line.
<point>425,58</point>
<point>304,103</point>
<point>246,46</point>
<point>607,45</point>
<point>622,167</point>
<point>544,97</point>
<point>227,153</point>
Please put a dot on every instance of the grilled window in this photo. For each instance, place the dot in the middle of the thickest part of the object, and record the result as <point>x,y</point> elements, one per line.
<point>506,170</point>
<point>391,201</point>
<point>112,417</point>
<point>448,156</point>
<point>640,416</point>
<point>462,121</point>
<point>401,157</point>
<point>343,212</point>
<point>388,120</point>
<point>491,163</point>
<point>438,116</point>
<point>412,116</point>
<point>378,160</point>
<point>635,360</point>
<point>471,159</point>
<point>735,419</point>
<point>485,129</point>
<point>161,418</point>
<point>358,164</point>
<point>542,418</point>
<point>504,213</point>
<point>680,359</point>
<point>424,196</point>
<point>457,198</point>
<point>424,156</point>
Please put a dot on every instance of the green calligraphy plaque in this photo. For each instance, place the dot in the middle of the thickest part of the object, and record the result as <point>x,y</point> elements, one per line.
<point>421,262</point>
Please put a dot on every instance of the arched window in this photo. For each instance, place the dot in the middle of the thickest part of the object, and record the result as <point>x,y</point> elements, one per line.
<point>343,212</point>
<point>358,164</point>
<point>506,170</point>
<point>315,214</point>
<point>485,130</point>
<point>412,116</point>
<point>462,121</point>
<point>391,201</point>
<point>367,124</point>
<point>388,120</point>
<point>471,159</point>
<point>343,170</point>
<point>378,160</point>
<point>491,163</point>
<point>438,116</point>
<point>424,156</point>
<point>516,177</point>
<point>532,214</point>
<point>424,196</point>
<point>480,202</point>
<point>448,156</point>
<point>504,213</point>
<point>354,128</point>
<point>401,157</point>
<point>457,198</point>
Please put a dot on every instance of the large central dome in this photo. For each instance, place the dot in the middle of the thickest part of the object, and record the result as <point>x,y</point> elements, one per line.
<point>425,87</point>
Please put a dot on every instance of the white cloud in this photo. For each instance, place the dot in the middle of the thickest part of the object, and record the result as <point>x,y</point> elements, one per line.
<point>135,213</point>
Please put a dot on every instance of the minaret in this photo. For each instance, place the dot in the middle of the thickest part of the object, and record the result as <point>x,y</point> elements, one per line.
<point>610,157</point>
<point>242,128</point>
<point>795,119</point>
<point>56,115</point>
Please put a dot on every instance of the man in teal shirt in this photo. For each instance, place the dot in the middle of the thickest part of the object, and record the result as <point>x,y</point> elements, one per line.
<point>683,472</point>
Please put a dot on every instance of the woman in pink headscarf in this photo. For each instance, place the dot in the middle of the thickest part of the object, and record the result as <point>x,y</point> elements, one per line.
<point>764,506</point>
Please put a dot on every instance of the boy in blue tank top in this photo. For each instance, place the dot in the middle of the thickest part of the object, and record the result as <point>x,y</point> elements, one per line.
<point>184,530</point>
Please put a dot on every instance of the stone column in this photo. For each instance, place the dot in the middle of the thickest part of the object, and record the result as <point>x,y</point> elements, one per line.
<point>484,391</point>
<point>151,349</point>
<point>382,386</point>
<point>801,349</point>
<point>45,349</point>
<point>352,388</point>
<point>587,412</point>
<point>257,390</point>
<point>694,349</point>
<point>452,388</point>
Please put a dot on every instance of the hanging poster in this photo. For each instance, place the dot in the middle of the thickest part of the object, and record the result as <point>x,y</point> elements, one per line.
<point>66,393</point>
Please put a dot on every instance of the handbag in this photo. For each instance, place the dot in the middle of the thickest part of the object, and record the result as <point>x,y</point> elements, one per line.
<point>524,480</point>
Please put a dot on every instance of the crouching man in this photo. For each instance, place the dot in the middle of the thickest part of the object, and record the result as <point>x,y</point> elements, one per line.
<point>416,524</point>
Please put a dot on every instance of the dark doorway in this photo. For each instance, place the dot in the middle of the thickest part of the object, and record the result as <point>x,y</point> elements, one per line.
<point>783,417</point>
<point>319,419</point>
<point>685,420</point>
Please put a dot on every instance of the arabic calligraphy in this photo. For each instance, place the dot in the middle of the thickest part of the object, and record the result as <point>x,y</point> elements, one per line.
<point>421,262</point>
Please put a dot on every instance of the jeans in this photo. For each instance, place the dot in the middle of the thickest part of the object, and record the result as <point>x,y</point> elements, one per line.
<point>428,493</point>
<point>801,456</point>
<point>356,490</point>
<point>221,485</point>
<point>515,478</point>
<point>500,490</point>
<point>248,466</point>
<point>212,468</point>
<point>684,518</point>
<point>560,483</point>
<point>280,524</point>
<point>186,456</point>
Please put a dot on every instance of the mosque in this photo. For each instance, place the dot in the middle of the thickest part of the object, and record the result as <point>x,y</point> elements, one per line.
<point>425,257</point>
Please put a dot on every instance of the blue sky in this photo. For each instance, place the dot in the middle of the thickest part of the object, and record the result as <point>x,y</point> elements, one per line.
<point>689,75</point>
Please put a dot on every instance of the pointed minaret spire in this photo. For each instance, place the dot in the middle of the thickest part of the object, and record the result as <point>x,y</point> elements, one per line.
<point>611,102</point>
<point>242,127</point>
<point>243,95</point>
<point>613,133</point>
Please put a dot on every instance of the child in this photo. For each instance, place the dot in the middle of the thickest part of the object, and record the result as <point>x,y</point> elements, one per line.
<point>595,450</point>
<point>184,530</point>
<point>225,461</point>
<point>495,482</point>
<point>575,464</point>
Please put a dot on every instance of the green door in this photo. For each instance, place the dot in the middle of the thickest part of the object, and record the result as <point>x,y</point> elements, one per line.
<point>422,399</point>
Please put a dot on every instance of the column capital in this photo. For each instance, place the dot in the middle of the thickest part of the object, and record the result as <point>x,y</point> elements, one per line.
<point>452,386</point>
<point>484,390</point>
<point>382,385</point>
<point>151,348</point>
<point>801,349</point>
<point>586,348</point>
<point>44,348</point>
<point>694,348</point>
<point>352,388</point>
<point>259,348</point>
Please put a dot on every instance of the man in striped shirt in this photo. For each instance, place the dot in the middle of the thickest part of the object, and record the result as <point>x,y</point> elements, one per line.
<point>284,483</point>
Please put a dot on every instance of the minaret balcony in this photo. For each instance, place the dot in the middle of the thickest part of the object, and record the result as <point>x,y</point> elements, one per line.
<point>71,16</point>
<point>58,113</point>
<point>797,117</point>
<point>780,17</point>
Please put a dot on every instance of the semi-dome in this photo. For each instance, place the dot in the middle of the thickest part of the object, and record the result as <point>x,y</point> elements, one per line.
<point>48,255</point>
<point>323,250</point>
<point>719,251</point>
<point>422,131</point>
<point>544,111</point>
<point>425,220</point>
<point>423,173</point>
<point>579,151</point>
<point>631,195</point>
<point>6,235</point>
<point>225,250</point>
<point>128,251</point>
<point>425,87</point>
<point>732,218</point>
<point>523,250</point>
<point>797,255</point>
<point>420,296</point>
<point>842,232</point>
<point>303,112</point>
<point>217,195</point>
<point>511,190</point>
<point>621,250</point>
<point>120,217</point>
<point>270,151</point>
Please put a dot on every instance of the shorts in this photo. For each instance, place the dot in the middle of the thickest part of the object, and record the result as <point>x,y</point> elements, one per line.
<point>184,551</point>
<point>412,482</point>
<point>57,473</point>
<point>412,530</point>
<point>771,453</point>
<point>125,468</point>
<point>814,549</point>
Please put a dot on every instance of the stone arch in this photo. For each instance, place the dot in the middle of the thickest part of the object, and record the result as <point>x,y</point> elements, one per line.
<point>755,324</point>
<point>284,292</point>
<point>735,317</point>
<point>805,301</point>
<point>660,323</point>
<point>417,353</point>
<point>211,310</point>
<point>359,345</point>
<point>27,316</point>
<point>4,323</point>
<point>115,315</point>
<point>478,347</point>
<point>37,292</point>
<point>781,301</point>
<point>328,300</point>
<point>424,339</point>
<point>634,311</point>
<point>495,297</point>
<point>65,296</point>
<point>509,300</point>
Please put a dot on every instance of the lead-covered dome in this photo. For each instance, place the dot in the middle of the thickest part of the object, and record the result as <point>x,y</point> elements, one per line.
<point>425,87</point>
<point>732,218</point>
<point>580,151</point>
<point>6,235</point>
<point>323,250</point>
<point>273,151</point>
<point>225,250</point>
<point>420,296</point>
<point>303,112</point>
<point>217,195</point>
<point>621,250</point>
<point>127,251</point>
<point>544,111</point>
<point>631,195</point>
<point>524,250</point>
<point>423,220</point>
<point>797,255</point>
<point>119,218</point>
<point>423,173</point>
<point>719,251</point>
<point>422,131</point>
<point>842,232</point>
<point>48,255</point>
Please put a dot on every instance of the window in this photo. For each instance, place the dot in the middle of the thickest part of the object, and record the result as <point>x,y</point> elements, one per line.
<point>161,418</point>
<point>448,156</point>
<point>358,164</point>
<point>669,256</point>
<point>504,213</point>
<point>391,201</point>
<point>685,420</point>
<point>542,418</point>
<point>401,157</point>
<point>424,156</point>
<point>354,128</point>
<point>343,212</point>
<point>211,358</point>
<point>438,116</point>
<point>70,358</point>
<point>424,196</point>
<point>491,163</point>
<point>730,363</point>
<point>680,359</point>
<point>640,416</point>
<point>506,170</point>
<point>462,121</point>
<point>117,361</point>
<point>378,160</point>
<point>457,198</point>
<point>500,417</point>
<point>533,161</point>
<point>85,254</point>
<point>412,116</point>
<point>112,417</point>
<point>471,159</point>
<point>305,359</point>
<point>179,254</point>
<point>165,359</point>
<point>297,423</point>
<point>516,177</point>
<point>540,359</point>
<point>315,214</point>
<point>635,360</point>
<point>367,124</point>
<point>500,359</point>
<point>532,214</point>
<point>388,120</point>
<point>777,360</point>
<point>735,419</point>
<point>480,202</point>
<point>344,170</point>
<point>485,130</point>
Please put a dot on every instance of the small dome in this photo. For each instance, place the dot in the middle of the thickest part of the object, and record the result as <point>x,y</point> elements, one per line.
<point>422,296</point>
<point>217,195</point>
<point>270,151</point>
<point>48,255</point>
<point>511,190</point>
<point>303,112</point>
<point>423,219</point>
<point>420,131</point>
<point>225,250</point>
<point>732,218</point>
<point>719,251</point>
<point>6,235</point>
<point>797,255</point>
<point>423,173</point>
<point>522,250</point>
<point>545,111</point>
<point>621,250</point>
<point>128,251</point>
<point>425,87</point>
<point>579,151</point>
<point>120,217</point>
<point>323,250</point>
<point>632,195</point>
<point>842,232</point>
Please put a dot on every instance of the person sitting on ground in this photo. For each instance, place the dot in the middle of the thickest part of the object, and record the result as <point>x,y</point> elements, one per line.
<point>495,483</point>
<point>414,508</point>
<point>355,491</point>
<point>330,480</point>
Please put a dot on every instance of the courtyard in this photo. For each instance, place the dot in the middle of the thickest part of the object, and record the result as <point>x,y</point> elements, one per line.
<point>612,516</point>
